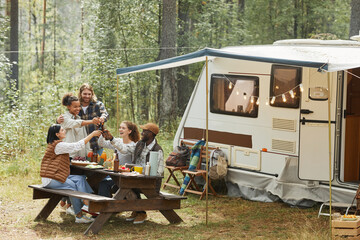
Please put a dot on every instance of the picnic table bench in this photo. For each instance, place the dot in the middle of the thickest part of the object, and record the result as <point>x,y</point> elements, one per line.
<point>55,195</point>
<point>123,200</point>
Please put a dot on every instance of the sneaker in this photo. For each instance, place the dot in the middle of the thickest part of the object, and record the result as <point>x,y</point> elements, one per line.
<point>140,218</point>
<point>132,216</point>
<point>85,208</point>
<point>70,211</point>
<point>83,219</point>
<point>63,205</point>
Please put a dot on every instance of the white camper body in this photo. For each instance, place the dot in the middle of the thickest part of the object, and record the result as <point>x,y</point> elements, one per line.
<point>276,137</point>
<point>281,143</point>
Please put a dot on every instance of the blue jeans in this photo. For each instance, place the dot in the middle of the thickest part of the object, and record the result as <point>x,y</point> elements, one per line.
<point>105,187</point>
<point>76,183</point>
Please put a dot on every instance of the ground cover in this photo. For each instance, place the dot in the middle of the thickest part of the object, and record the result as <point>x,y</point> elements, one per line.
<point>229,218</point>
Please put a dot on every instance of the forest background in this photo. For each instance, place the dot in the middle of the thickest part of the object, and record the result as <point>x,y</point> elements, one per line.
<point>50,47</point>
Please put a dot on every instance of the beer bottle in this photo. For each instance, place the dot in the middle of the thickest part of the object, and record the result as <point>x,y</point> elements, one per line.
<point>116,162</point>
<point>94,156</point>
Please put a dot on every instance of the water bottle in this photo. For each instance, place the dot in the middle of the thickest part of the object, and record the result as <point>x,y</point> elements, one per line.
<point>147,169</point>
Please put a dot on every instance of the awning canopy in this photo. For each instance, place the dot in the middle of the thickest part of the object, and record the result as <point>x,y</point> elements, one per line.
<point>329,55</point>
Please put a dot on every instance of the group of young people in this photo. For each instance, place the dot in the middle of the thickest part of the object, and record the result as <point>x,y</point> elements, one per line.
<point>75,135</point>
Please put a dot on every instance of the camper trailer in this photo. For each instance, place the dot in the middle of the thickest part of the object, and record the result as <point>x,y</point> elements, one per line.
<point>287,116</point>
<point>277,122</point>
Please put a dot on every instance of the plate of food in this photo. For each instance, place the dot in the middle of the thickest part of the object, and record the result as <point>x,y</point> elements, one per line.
<point>94,166</point>
<point>82,163</point>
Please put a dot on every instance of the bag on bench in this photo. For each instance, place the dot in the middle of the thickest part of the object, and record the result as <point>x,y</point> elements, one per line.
<point>178,157</point>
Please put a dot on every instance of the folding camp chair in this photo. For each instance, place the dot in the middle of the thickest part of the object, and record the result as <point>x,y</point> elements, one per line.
<point>192,186</point>
<point>172,175</point>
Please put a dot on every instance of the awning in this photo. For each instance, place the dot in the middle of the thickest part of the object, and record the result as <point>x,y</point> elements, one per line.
<point>328,55</point>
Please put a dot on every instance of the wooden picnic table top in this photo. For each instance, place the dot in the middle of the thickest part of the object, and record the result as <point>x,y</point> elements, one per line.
<point>112,173</point>
<point>123,180</point>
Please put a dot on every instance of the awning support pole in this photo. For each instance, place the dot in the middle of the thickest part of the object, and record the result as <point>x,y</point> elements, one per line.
<point>117,103</point>
<point>207,138</point>
<point>330,170</point>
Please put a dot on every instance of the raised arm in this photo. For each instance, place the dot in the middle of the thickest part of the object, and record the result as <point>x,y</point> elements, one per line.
<point>105,143</point>
<point>95,133</point>
<point>104,116</point>
<point>93,121</point>
<point>117,144</point>
<point>64,147</point>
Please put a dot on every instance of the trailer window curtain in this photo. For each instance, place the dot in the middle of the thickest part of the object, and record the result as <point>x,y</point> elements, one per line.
<point>284,86</point>
<point>234,95</point>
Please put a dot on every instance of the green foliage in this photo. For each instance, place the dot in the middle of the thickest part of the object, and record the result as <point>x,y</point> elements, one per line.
<point>24,128</point>
<point>4,61</point>
<point>116,31</point>
<point>268,21</point>
<point>217,24</point>
<point>85,41</point>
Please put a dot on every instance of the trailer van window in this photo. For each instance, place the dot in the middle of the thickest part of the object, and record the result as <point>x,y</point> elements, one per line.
<point>234,95</point>
<point>284,86</point>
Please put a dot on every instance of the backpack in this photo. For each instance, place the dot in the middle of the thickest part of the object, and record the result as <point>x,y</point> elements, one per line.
<point>218,164</point>
<point>178,157</point>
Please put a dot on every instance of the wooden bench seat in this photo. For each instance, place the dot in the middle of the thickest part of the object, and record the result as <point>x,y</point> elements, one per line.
<point>170,196</point>
<point>41,192</point>
<point>55,196</point>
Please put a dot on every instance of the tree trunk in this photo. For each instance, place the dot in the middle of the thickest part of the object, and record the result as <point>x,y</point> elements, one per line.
<point>36,62</point>
<point>125,44</point>
<point>29,20</point>
<point>82,36</point>
<point>43,38</point>
<point>355,18</point>
<point>241,6</point>
<point>54,54</point>
<point>14,43</point>
<point>183,41</point>
<point>296,6</point>
<point>168,109</point>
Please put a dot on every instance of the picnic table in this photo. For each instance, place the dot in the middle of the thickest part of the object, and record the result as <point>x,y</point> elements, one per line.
<point>123,200</point>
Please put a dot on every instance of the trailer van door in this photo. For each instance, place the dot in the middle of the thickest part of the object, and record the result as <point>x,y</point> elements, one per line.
<point>351,127</point>
<point>314,128</point>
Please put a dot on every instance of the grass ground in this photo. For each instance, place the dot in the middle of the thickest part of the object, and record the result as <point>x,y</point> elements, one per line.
<point>228,218</point>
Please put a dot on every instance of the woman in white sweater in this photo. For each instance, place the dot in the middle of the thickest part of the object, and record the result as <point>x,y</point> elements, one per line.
<point>55,167</point>
<point>129,134</point>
